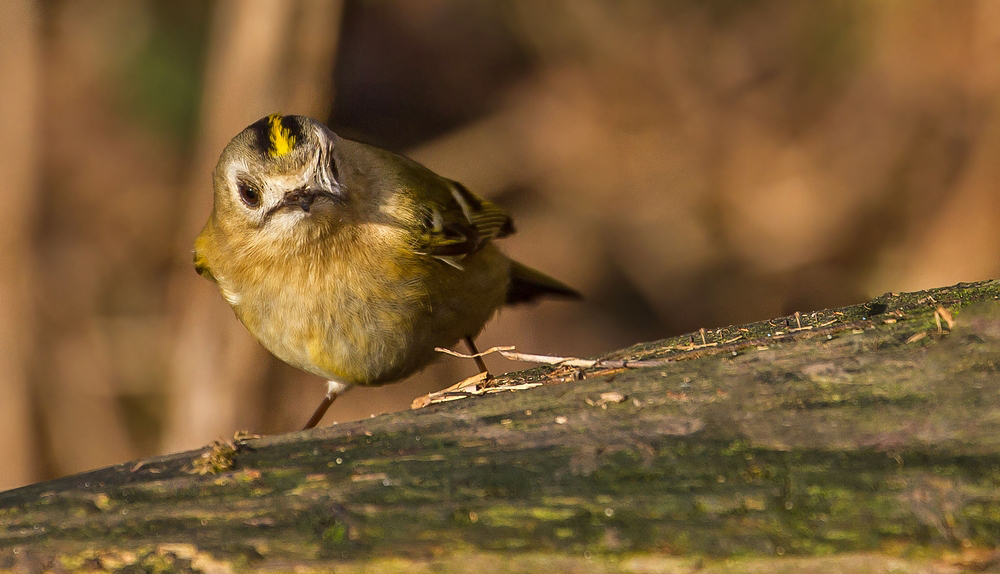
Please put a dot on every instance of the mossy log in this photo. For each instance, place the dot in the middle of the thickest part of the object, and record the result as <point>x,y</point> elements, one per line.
<point>858,439</point>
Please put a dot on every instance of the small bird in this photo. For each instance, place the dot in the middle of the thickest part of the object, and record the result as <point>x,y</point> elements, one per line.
<point>351,262</point>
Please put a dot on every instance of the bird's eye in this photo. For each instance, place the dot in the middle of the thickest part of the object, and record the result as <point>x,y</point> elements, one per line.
<point>249,195</point>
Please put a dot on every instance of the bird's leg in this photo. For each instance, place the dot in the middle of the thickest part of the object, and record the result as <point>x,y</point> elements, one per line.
<point>475,355</point>
<point>333,390</point>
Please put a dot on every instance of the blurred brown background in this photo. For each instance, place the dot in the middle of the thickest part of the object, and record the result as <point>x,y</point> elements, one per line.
<point>685,163</point>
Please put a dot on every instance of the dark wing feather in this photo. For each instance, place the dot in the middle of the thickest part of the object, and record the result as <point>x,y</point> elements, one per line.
<point>527,284</point>
<point>458,223</point>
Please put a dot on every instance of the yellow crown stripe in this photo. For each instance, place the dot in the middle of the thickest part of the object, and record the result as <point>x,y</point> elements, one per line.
<point>282,140</point>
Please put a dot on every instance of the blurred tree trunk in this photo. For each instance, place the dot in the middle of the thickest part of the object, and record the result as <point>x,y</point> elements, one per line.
<point>859,439</point>
<point>265,56</point>
<point>20,68</point>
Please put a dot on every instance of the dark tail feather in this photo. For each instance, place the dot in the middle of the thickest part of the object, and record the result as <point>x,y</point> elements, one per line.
<point>527,284</point>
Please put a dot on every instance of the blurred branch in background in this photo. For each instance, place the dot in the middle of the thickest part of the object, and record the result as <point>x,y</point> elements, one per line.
<point>104,186</point>
<point>19,116</point>
<point>265,56</point>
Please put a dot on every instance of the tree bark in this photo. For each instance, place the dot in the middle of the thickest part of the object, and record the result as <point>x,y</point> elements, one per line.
<point>865,438</point>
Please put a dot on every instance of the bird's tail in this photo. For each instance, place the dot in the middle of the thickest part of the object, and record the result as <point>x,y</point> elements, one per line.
<point>527,284</point>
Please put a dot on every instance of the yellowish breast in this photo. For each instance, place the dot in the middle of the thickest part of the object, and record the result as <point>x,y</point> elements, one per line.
<point>367,315</point>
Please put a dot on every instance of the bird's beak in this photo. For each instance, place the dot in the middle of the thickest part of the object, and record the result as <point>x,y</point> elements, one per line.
<point>306,200</point>
<point>306,196</point>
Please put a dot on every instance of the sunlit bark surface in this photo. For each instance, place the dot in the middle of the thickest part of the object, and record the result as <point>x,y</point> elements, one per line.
<point>859,439</point>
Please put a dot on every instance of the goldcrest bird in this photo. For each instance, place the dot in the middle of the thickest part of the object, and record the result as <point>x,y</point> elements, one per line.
<point>351,262</point>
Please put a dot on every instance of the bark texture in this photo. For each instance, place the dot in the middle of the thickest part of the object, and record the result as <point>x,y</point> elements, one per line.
<point>861,439</point>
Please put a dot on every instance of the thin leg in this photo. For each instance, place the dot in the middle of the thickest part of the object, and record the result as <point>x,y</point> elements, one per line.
<point>333,390</point>
<point>479,360</point>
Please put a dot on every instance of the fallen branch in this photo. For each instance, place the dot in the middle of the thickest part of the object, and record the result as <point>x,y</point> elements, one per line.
<point>508,352</point>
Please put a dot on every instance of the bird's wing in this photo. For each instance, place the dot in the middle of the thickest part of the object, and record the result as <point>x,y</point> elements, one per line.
<point>458,223</point>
